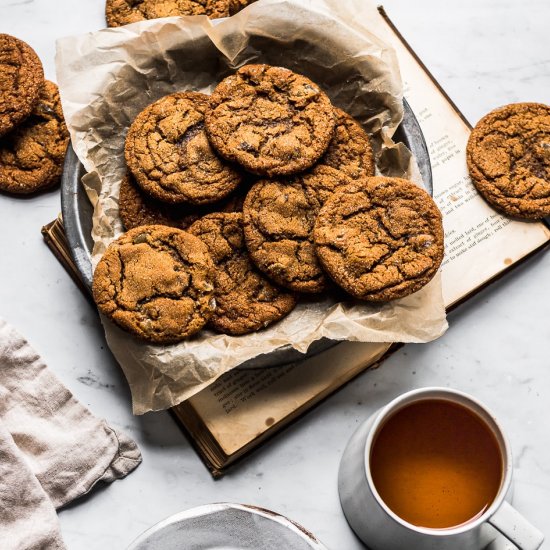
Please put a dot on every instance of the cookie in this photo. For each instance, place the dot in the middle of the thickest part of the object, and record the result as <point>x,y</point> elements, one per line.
<point>137,208</point>
<point>350,149</point>
<point>168,152</point>
<point>270,120</point>
<point>123,12</point>
<point>279,216</point>
<point>245,300</point>
<point>380,240</point>
<point>156,282</point>
<point>508,157</point>
<point>237,5</point>
<point>32,155</point>
<point>21,80</point>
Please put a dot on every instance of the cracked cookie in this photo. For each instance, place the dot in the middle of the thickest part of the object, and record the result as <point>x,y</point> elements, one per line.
<point>380,240</point>
<point>279,216</point>
<point>270,120</point>
<point>123,12</point>
<point>245,300</point>
<point>236,6</point>
<point>508,156</point>
<point>31,156</point>
<point>156,282</point>
<point>350,149</point>
<point>21,80</point>
<point>168,152</point>
<point>137,208</point>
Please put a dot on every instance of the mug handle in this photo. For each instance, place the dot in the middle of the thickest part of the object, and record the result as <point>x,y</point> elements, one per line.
<point>516,528</point>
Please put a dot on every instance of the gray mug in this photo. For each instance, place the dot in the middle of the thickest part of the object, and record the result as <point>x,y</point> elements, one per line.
<point>381,529</point>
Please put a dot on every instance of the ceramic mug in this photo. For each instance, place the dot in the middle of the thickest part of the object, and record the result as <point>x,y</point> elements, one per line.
<point>381,529</point>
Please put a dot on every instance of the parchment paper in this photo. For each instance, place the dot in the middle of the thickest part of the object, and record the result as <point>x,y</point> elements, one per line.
<point>106,78</point>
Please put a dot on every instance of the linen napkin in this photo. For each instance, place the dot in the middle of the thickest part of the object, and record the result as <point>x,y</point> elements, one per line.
<point>27,516</point>
<point>52,449</point>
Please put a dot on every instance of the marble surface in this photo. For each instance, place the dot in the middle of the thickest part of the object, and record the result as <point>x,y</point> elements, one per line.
<point>485,53</point>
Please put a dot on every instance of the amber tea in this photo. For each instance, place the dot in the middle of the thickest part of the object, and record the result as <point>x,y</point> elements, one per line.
<point>436,464</point>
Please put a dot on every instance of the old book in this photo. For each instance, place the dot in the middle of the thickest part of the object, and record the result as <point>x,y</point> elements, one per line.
<point>54,236</point>
<point>245,407</point>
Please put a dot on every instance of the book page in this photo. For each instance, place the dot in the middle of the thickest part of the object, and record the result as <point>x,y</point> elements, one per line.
<point>244,403</point>
<point>480,244</point>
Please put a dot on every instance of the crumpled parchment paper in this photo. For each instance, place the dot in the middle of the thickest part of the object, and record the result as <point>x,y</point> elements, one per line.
<point>106,78</point>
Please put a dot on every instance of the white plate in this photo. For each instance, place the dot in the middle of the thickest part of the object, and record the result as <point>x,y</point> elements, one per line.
<point>226,527</point>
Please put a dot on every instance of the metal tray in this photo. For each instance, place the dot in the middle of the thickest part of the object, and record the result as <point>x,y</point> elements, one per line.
<point>231,526</point>
<point>77,218</point>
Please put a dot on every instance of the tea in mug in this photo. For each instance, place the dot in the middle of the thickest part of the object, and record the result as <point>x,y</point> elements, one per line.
<point>436,464</point>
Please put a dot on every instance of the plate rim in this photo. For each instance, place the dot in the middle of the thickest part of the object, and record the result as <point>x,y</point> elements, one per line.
<point>208,509</point>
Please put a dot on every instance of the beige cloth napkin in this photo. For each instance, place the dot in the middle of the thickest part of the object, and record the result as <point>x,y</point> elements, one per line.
<point>52,449</point>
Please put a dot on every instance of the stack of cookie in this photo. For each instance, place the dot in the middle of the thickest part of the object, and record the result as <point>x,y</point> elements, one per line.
<point>239,202</point>
<point>123,12</point>
<point>33,135</point>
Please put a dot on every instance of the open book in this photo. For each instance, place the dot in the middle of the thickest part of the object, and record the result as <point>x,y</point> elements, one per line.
<point>245,407</point>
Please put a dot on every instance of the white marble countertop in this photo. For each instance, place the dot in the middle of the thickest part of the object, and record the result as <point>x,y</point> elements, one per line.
<point>485,53</point>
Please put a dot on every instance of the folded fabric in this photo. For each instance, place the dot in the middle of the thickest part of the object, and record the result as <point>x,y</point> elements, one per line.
<point>65,450</point>
<point>27,519</point>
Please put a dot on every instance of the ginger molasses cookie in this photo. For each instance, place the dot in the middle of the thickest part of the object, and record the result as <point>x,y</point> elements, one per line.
<point>270,120</point>
<point>31,156</point>
<point>21,79</point>
<point>123,12</point>
<point>508,157</point>
<point>169,154</point>
<point>279,216</point>
<point>237,5</point>
<point>156,282</point>
<point>381,239</point>
<point>350,149</point>
<point>245,300</point>
<point>137,208</point>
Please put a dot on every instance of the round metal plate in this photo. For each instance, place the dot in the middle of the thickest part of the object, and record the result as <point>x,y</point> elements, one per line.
<point>227,526</point>
<point>77,218</point>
